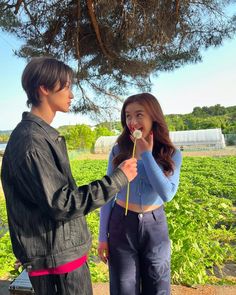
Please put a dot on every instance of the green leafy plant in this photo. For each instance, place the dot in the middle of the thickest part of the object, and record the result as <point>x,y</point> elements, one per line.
<point>7,258</point>
<point>201,222</point>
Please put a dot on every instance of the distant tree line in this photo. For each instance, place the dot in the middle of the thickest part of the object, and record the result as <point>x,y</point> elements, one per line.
<point>205,118</point>
<point>201,118</point>
<point>83,137</point>
<point>4,137</point>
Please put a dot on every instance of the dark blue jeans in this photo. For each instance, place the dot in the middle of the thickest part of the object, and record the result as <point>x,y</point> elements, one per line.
<point>139,253</point>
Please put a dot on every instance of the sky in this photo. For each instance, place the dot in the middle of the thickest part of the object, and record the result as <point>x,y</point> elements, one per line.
<point>210,82</point>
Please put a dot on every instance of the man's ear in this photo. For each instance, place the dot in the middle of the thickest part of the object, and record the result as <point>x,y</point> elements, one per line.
<point>43,90</point>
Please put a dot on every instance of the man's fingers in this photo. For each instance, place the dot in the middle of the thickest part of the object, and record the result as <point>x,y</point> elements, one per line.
<point>132,138</point>
<point>129,167</point>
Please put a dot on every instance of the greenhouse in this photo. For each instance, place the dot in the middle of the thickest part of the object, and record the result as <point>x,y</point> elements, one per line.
<point>198,139</point>
<point>184,140</point>
<point>104,144</point>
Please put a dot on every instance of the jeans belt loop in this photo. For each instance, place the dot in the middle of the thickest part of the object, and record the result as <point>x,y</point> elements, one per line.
<point>153,214</point>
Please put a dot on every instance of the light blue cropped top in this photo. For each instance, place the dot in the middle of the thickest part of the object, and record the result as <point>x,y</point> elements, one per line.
<point>150,186</point>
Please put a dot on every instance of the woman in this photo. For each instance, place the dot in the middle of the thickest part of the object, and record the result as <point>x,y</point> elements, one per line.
<point>137,245</point>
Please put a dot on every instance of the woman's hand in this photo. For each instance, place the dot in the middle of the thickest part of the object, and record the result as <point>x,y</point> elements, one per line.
<point>143,145</point>
<point>103,251</point>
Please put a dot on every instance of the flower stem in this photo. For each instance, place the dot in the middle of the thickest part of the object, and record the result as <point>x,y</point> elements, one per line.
<point>128,186</point>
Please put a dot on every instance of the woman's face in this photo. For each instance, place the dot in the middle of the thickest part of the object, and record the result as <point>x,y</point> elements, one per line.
<point>137,117</point>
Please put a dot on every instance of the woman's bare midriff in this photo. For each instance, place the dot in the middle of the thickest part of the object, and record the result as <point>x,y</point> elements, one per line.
<point>138,208</point>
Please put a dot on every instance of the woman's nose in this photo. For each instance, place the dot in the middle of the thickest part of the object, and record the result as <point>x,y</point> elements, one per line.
<point>133,122</point>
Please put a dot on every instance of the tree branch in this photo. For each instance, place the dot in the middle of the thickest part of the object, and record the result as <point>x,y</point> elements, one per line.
<point>30,17</point>
<point>96,28</point>
<point>177,10</point>
<point>78,28</point>
<point>102,90</point>
<point>18,4</point>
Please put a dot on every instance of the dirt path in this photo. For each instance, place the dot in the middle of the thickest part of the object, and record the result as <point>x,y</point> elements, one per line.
<point>103,289</point>
<point>228,151</point>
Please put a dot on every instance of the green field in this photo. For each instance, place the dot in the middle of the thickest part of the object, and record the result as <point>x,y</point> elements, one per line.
<point>201,220</point>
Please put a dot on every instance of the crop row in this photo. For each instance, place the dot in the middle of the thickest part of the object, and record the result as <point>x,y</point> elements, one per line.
<point>200,219</point>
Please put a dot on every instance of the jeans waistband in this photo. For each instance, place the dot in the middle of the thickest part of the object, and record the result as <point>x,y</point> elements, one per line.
<point>155,212</point>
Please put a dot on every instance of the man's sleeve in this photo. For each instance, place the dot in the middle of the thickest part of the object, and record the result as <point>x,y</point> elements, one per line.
<point>45,185</point>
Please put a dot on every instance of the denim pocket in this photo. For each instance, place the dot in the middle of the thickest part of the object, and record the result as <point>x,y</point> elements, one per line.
<point>116,219</point>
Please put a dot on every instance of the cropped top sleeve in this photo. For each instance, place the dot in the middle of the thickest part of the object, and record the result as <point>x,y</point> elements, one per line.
<point>165,186</point>
<point>105,211</point>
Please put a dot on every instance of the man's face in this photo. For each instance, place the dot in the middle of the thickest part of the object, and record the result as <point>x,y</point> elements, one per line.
<point>60,100</point>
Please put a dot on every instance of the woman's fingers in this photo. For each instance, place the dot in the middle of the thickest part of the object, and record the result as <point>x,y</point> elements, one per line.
<point>103,252</point>
<point>150,140</point>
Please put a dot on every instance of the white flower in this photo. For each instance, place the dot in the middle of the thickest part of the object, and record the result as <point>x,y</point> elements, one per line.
<point>137,134</point>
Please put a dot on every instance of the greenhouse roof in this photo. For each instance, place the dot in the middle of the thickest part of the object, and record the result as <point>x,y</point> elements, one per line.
<point>204,136</point>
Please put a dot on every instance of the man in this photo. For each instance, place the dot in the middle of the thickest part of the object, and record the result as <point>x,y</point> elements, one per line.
<point>46,210</point>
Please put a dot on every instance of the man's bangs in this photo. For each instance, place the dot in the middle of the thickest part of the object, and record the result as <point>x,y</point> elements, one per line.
<point>66,75</point>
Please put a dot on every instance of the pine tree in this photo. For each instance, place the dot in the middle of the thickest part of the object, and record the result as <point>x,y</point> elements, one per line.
<point>116,45</point>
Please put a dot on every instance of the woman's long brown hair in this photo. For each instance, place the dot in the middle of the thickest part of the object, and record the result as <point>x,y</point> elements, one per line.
<point>163,148</point>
